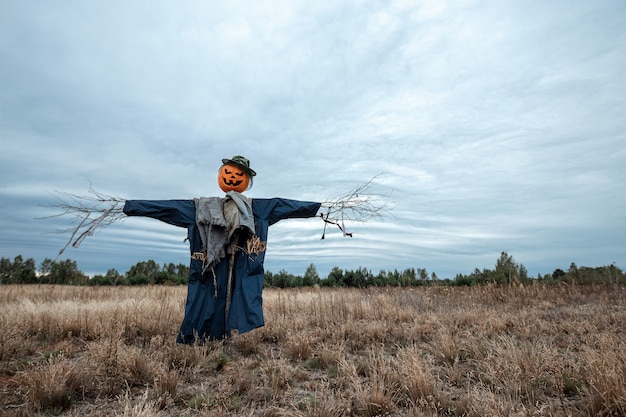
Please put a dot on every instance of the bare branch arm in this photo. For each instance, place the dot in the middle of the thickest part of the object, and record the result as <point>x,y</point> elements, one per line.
<point>90,212</point>
<point>361,204</point>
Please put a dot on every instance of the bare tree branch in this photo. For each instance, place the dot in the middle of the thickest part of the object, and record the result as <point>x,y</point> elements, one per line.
<point>361,204</point>
<point>90,212</point>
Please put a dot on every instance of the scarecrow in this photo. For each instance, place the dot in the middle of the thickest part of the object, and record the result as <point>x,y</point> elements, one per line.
<point>227,238</point>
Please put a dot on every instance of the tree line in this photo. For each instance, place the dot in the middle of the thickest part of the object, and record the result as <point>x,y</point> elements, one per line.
<point>506,271</point>
<point>66,272</point>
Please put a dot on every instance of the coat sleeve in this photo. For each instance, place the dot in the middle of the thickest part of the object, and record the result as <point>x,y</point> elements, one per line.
<point>276,209</point>
<point>175,212</point>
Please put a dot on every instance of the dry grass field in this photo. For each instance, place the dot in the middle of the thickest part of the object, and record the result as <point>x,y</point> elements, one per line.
<point>426,351</point>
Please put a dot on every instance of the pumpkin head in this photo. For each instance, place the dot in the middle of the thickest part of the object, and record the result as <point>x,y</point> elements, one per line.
<point>231,177</point>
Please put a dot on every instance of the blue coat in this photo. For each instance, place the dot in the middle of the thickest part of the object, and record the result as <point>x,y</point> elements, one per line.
<point>204,311</point>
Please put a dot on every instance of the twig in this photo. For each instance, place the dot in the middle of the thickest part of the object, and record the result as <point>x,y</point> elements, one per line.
<point>91,212</point>
<point>360,204</point>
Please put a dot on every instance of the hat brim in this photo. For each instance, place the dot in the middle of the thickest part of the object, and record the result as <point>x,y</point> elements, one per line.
<point>248,170</point>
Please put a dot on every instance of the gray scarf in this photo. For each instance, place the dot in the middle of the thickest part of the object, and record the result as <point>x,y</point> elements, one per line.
<point>217,219</point>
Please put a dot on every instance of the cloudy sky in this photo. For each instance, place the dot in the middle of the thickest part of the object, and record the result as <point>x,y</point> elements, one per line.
<point>495,125</point>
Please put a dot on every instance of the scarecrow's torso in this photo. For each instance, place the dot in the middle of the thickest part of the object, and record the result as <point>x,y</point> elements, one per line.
<point>205,307</point>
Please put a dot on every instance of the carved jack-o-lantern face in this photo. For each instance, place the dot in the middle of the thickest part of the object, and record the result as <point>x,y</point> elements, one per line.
<point>232,178</point>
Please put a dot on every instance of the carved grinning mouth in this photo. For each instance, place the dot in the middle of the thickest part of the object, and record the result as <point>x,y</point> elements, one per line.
<point>232,183</point>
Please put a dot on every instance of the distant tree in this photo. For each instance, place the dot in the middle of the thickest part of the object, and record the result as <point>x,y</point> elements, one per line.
<point>171,274</point>
<point>64,272</point>
<point>99,280</point>
<point>19,271</point>
<point>311,277</point>
<point>148,268</point>
<point>355,279</point>
<point>477,277</point>
<point>573,273</point>
<point>296,280</point>
<point>334,278</point>
<point>5,270</point>
<point>28,274</point>
<point>380,280</point>
<point>44,270</point>
<point>613,273</point>
<point>25,272</point>
<point>363,277</point>
<point>505,267</point>
<point>522,273</point>
<point>113,276</point>
<point>408,277</point>
<point>508,271</point>
<point>170,268</point>
<point>394,278</point>
<point>348,279</point>
<point>283,279</point>
<point>423,274</point>
<point>463,280</point>
<point>138,279</point>
<point>163,277</point>
<point>182,271</point>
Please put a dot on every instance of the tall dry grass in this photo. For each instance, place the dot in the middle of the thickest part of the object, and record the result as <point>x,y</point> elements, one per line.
<point>497,351</point>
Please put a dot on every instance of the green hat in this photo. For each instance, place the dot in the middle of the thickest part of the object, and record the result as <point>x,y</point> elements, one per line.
<point>241,162</point>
